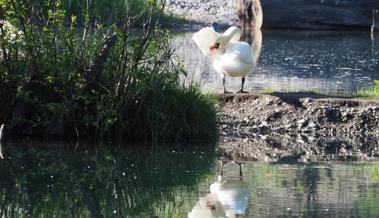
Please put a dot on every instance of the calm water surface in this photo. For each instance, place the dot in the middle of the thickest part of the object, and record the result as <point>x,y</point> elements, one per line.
<point>178,181</point>
<point>323,61</point>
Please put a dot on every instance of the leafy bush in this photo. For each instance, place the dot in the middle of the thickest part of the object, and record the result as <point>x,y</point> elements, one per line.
<point>115,81</point>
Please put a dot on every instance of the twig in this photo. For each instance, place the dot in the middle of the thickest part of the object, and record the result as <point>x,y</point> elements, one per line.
<point>1,136</point>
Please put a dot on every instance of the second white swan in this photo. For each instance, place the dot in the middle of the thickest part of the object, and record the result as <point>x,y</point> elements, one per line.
<point>231,57</point>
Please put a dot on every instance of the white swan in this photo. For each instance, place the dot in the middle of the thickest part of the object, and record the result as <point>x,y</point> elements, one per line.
<point>231,57</point>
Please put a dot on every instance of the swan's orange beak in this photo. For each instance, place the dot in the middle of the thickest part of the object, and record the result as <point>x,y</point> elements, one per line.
<point>214,47</point>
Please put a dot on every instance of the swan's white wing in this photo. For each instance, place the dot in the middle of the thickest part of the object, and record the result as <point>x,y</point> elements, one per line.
<point>205,38</point>
<point>236,61</point>
<point>240,51</point>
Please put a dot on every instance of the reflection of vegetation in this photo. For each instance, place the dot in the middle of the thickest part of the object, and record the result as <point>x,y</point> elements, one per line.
<point>370,197</point>
<point>120,183</point>
<point>310,190</point>
<point>165,181</point>
<point>375,173</point>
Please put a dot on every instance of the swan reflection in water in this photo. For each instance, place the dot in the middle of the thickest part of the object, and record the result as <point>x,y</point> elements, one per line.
<point>228,198</point>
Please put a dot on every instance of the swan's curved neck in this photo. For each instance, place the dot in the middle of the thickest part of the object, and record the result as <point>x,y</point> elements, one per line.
<point>233,34</point>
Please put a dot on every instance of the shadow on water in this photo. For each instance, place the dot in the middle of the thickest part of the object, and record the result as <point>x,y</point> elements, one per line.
<point>103,183</point>
<point>294,98</point>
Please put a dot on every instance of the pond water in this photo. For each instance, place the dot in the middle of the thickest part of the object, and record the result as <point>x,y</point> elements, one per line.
<point>322,61</point>
<point>178,181</point>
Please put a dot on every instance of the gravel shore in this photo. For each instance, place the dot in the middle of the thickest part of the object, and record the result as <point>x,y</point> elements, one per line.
<point>298,127</point>
<point>206,12</point>
<point>289,14</point>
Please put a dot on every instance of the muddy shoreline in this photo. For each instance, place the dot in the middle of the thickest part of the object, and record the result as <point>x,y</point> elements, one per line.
<point>299,127</point>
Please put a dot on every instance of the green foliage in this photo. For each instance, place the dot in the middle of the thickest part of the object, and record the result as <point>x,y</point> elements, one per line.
<point>72,82</point>
<point>368,92</point>
<point>102,11</point>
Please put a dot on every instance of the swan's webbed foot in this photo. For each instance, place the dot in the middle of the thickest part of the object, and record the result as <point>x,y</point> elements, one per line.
<point>223,83</point>
<point>242,91</point>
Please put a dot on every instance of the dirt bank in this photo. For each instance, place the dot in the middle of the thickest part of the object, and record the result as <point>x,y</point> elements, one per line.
<point>299,127</point>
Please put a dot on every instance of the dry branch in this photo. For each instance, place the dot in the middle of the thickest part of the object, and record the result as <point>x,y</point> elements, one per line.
<point>1,137</point>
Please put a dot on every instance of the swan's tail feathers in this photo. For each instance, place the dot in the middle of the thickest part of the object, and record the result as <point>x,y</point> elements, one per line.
<point>1,136</point>
<point>205,38</point>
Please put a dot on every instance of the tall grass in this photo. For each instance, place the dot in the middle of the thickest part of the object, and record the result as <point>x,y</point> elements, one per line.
<point>368,92</point>
<point>365,92</point>
<point>106,81</point>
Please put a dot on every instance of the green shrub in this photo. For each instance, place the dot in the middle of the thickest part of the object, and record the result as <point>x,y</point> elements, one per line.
<point>98,82</point>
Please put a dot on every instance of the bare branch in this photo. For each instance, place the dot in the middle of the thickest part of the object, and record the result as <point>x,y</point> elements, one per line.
<point>98,64</point>
<point>1,136</point>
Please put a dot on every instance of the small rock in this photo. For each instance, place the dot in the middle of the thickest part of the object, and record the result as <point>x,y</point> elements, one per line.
<point>290,126</point>
<point>302,123</point>
<point>306,130</point>
<point>343,150</point>
<point>306,100</point>
<point>312,125</point>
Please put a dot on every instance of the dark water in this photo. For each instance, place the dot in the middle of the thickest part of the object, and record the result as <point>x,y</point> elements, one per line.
<point>173,181</point>
<point>322,61</point>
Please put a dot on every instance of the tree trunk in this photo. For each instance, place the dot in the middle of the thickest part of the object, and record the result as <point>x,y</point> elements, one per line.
<point>98,64</point>
<point>250,14</point>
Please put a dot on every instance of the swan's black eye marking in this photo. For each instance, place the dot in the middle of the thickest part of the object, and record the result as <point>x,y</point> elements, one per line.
<point>214,46</point>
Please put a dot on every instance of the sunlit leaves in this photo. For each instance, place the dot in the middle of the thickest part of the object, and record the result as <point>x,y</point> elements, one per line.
<point>135,91</point>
